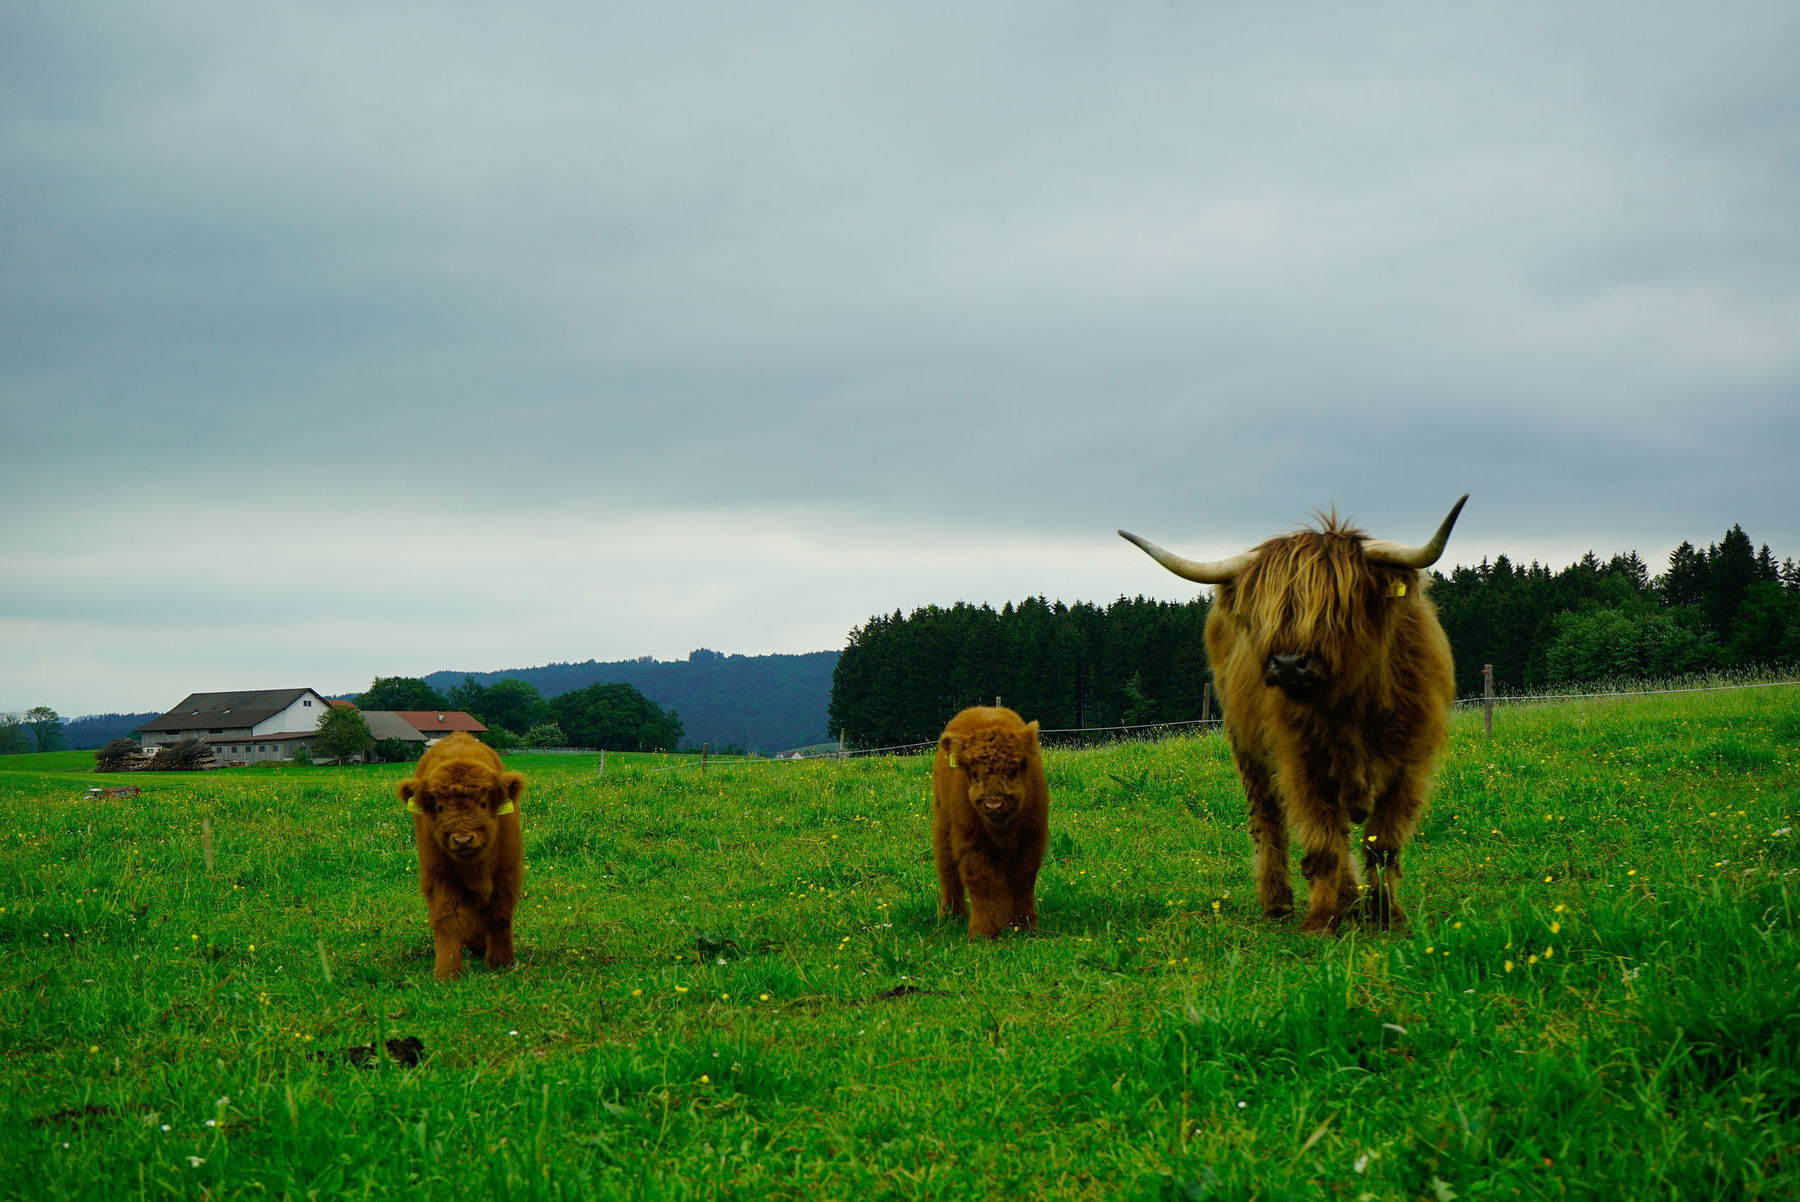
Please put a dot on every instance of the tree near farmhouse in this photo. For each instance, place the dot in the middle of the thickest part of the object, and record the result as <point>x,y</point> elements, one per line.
<point>400,693</point>
<point>514,704</point>
<point>343,734</point>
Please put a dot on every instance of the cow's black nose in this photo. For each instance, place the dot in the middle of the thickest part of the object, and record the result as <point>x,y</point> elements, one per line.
<point>1293,673</point>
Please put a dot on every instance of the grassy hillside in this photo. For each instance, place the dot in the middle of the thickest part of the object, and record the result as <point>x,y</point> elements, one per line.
<point>735,984</point>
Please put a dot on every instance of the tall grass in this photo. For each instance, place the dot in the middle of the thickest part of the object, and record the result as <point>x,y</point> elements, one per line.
<point>734,984</point>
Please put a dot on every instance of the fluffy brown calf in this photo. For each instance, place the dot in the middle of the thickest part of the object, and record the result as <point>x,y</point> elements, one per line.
<point>466,825</point>
<point>989,819</point>
<point>1336,680</point>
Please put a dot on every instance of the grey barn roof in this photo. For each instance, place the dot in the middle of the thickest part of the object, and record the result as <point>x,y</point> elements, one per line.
<point>386,724</point>
<point>204,711</point>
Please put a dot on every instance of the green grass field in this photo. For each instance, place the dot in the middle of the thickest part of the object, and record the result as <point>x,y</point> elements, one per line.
<point>735,985</point>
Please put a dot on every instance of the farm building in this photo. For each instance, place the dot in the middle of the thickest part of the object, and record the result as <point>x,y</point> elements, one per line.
<point>270,724</point>
<point>435,724</point>
<point>260,724</point>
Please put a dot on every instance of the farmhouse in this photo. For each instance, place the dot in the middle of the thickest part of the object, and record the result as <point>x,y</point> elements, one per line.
<point>270,724</point>
<point>261,724</point>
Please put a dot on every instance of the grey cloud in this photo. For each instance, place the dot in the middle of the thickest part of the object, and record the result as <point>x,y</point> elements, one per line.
<point>1178,267</point>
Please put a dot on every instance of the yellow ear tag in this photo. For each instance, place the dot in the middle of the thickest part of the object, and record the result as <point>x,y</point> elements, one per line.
<point>507,808</point>
<point>952,756</point>
<point>413,806</point>
<point>1396,588</point>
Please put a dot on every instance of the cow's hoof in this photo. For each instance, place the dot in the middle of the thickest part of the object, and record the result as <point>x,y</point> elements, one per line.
<point>1323,924</point>
<point>1278,913</point>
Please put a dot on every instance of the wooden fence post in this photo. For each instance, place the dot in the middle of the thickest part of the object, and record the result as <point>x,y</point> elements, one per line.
<point>1487,695</point>
<point>1206,703</point>
<point>602,771</point>
<point>705,752</point>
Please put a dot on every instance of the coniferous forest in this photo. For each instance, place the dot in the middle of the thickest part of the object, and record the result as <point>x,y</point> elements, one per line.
<point>1135,661</point>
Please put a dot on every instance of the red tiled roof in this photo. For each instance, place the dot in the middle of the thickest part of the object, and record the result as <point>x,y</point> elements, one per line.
<point>441,721</point>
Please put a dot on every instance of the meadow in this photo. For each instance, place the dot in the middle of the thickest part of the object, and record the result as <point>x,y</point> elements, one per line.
<point>734,984</point>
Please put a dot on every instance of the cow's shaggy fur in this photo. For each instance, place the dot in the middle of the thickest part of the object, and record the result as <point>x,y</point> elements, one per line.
<point>989,819</point>
<point>466,826</point>
<point>1336,681</point>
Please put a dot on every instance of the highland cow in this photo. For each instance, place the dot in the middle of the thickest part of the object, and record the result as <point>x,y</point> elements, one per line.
<point>466,826</point>
<point>1336,681</point>
<point>989,814</point>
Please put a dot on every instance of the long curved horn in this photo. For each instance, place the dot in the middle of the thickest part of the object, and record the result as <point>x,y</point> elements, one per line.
<point>1400,555</point>
<point>1216,571</point>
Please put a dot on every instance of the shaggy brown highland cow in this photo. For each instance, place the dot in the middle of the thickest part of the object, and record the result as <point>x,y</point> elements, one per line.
<point>466,825</point>
<point>989,819</point>
<point>1336,680</point>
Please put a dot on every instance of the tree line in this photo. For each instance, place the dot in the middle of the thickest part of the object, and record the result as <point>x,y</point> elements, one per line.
<point>612,716</point>
<point>1729,605</point>
<point>1136,661</point>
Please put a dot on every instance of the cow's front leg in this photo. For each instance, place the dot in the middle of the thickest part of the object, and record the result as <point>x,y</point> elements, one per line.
<point>1391,826</point>
<point>1269,834</point>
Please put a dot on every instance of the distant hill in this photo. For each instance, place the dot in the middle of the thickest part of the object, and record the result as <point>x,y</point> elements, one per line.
<point>764,703</point>
<point>97,730</point>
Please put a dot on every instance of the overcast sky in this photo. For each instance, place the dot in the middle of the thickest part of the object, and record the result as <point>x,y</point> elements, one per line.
<point>341,339</point>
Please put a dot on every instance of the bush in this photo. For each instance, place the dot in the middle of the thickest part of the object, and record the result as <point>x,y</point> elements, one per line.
<point>184,756</point>
<point>302,755</point>
<point>397,751</point>
<point>501,739</point>
<point>120,755</point>
<point>545,734</point>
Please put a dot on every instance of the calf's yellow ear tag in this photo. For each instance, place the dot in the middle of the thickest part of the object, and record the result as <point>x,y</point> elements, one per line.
<point>505,808</point>
<point>1396,588</point>
<point>413,806</point>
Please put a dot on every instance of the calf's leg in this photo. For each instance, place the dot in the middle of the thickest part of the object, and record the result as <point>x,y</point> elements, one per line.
<point>950,883</point>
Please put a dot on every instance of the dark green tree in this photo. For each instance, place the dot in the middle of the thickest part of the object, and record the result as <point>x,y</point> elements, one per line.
<point>12,735</point>
<point>1687,580</point>
<point>401,693</point>
<point>545,734</point>
<point>1731,566</point>
<point>46,728</point>
<point>1767,627</point>
<point>467,697</point>
<point>615,717</point>
<point>397,751</point>
<point>512,703</point>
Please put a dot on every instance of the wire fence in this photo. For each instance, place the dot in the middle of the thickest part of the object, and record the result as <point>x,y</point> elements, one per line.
<point>1087,736</point>
<point>1497,698</point>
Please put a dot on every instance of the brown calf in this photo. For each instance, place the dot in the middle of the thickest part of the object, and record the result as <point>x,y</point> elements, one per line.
<point>466,826</point>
